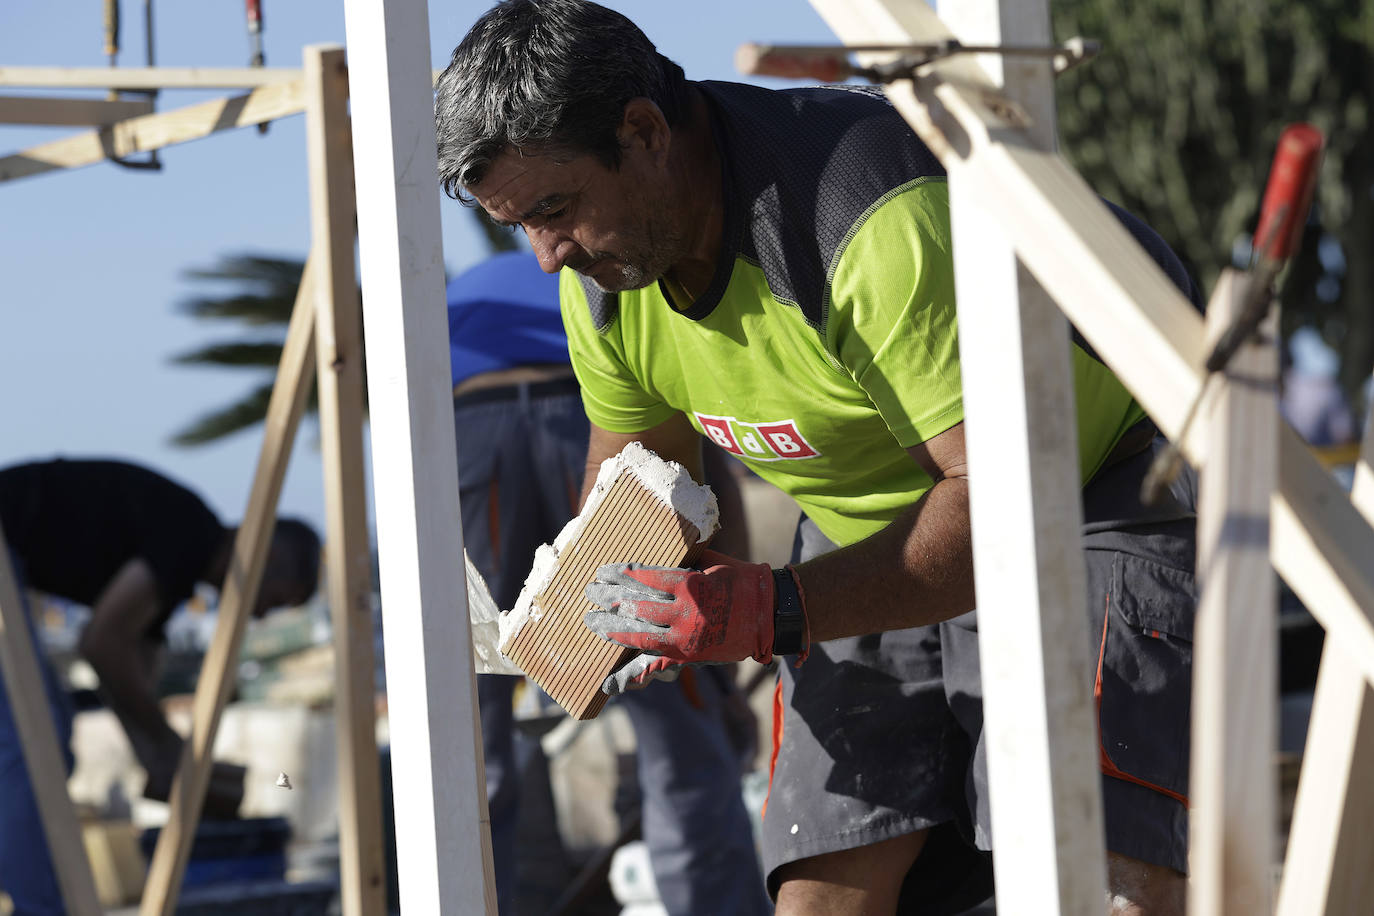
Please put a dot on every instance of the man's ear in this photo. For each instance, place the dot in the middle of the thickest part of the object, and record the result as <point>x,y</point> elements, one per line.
<point>643,126</point>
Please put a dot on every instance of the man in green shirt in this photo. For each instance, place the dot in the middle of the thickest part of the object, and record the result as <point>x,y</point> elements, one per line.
<point>771,270</point>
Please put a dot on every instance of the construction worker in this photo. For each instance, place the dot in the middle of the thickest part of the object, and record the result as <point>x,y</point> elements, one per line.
<point>771,270</point>
<point>131,545</point>
<point>522,446</point>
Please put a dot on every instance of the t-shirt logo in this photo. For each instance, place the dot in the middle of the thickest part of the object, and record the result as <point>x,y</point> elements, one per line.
<point>773,441</point>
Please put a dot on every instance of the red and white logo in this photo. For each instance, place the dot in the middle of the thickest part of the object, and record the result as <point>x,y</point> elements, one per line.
<point>777,440</point>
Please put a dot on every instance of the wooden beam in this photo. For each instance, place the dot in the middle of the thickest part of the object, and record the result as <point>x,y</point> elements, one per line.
<point>348,558</point>
<point>155,131</point>
<point>1021,429</point>
<point>28,700</point>
<point>44,110</point>
<point>443,836</point>
<point>238,597</point>
<point>1330,847</point>
<point>1233,785</point>
<point>146,77</point>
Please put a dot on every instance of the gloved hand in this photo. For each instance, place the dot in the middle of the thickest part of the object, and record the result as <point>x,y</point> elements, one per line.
<point>722,613</point>
<point>639,672</point>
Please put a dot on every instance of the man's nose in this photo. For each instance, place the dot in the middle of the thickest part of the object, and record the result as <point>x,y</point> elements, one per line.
<point>551,248</point>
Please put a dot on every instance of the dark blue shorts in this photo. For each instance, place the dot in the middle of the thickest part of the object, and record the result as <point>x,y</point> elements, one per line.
<point>882,735</point>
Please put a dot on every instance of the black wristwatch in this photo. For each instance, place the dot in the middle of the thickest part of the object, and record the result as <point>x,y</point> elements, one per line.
<point>789,619</point>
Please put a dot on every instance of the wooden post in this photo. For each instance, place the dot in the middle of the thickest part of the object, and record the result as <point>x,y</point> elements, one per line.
<point>1021,430</point>
<point>443,840</point>
<point>238,595</point>
<point>1330,846</point>
<point>1235,689</point>
<point>339,362</point>
<point>42,756</point>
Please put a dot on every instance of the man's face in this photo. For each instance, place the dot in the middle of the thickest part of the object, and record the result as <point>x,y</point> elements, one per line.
<point>613,226</point>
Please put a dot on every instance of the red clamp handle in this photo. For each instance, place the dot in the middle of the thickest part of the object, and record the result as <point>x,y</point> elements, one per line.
<point>1292,179</point>
<point>793,63</point>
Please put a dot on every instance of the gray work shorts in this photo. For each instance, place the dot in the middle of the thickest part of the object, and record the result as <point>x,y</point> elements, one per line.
<point>882,735</point>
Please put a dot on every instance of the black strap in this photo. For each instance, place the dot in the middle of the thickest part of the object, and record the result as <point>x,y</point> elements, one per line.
<point>789,618</point>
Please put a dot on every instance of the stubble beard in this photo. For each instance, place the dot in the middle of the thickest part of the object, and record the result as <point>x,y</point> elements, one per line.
<point>646,255</point>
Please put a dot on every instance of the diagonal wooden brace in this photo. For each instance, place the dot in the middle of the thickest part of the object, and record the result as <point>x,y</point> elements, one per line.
<point>28,702</point>
<point>155,131</point>
<point>238,596</point>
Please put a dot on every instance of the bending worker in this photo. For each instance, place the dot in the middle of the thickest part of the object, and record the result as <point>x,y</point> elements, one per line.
<point>131,545</point>
<point>522,448</point>
<point>771,270</point>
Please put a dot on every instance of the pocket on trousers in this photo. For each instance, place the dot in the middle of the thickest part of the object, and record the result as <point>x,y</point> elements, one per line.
<point>1145,674</point>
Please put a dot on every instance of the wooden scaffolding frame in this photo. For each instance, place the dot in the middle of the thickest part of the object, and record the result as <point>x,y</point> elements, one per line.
<point>1036,226</point>
<point>1046,245</point>
<point>323,343</point>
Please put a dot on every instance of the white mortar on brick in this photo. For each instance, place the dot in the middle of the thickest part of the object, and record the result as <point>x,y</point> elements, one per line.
<point>667,481</point>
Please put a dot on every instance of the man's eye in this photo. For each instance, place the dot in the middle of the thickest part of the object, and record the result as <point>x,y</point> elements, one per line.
<point>556,213</point>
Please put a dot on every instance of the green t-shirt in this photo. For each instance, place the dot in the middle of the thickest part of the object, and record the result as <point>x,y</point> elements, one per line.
<point>818,379</point>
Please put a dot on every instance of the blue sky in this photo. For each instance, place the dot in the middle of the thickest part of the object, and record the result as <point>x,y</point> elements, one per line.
<point>92,260</point>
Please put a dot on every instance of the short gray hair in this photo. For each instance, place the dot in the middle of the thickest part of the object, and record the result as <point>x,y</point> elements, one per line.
<point>547,76</point>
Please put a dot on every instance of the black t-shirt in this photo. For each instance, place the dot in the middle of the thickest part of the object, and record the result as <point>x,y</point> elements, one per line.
<point>74,524</point>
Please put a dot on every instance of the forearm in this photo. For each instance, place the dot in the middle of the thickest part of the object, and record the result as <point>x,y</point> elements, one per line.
<point>916,571</point>
<point>130,696</point>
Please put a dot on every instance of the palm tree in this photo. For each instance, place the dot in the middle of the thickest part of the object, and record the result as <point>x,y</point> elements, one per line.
<point>264,294</point>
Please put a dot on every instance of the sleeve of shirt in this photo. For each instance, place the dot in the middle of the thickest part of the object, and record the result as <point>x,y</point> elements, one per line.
<point>892,321</point>
<point>177,539</point>
<point>612,396</point>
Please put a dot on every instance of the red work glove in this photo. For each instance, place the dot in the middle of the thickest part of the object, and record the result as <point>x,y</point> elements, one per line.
<point>722,613</point>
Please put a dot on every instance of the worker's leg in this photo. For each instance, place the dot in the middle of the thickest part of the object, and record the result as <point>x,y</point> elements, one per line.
<point>26,869</point>
<point>494,692</point>
<point>863,880</point>
<point>484,432</point>
<point>508,445</point>
<point>1138,888</point>
<point>867,759</point>
<point>694,821</point>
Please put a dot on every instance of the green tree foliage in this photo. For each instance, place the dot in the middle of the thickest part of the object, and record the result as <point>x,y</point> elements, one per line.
<point>1178,118</point>
<point>262,294</point>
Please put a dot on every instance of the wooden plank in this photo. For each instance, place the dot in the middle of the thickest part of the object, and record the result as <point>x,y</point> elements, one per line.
<point>28,702</point>
<point>1321,546</point>
<point>146,77</point>
<point>155,131</point>
<point>1020,424</point>
<point>1330,847</point>
<point>1233,784</point>
<point>628,525</point>
<point>348,559</point>
<point>443,836</point>
<point>238,596</point>
<point>35,109</point>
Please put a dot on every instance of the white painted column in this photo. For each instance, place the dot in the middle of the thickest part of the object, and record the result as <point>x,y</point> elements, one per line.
<point>443,840</point>
<point>1022,436</point>
<point>1233,783</point>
